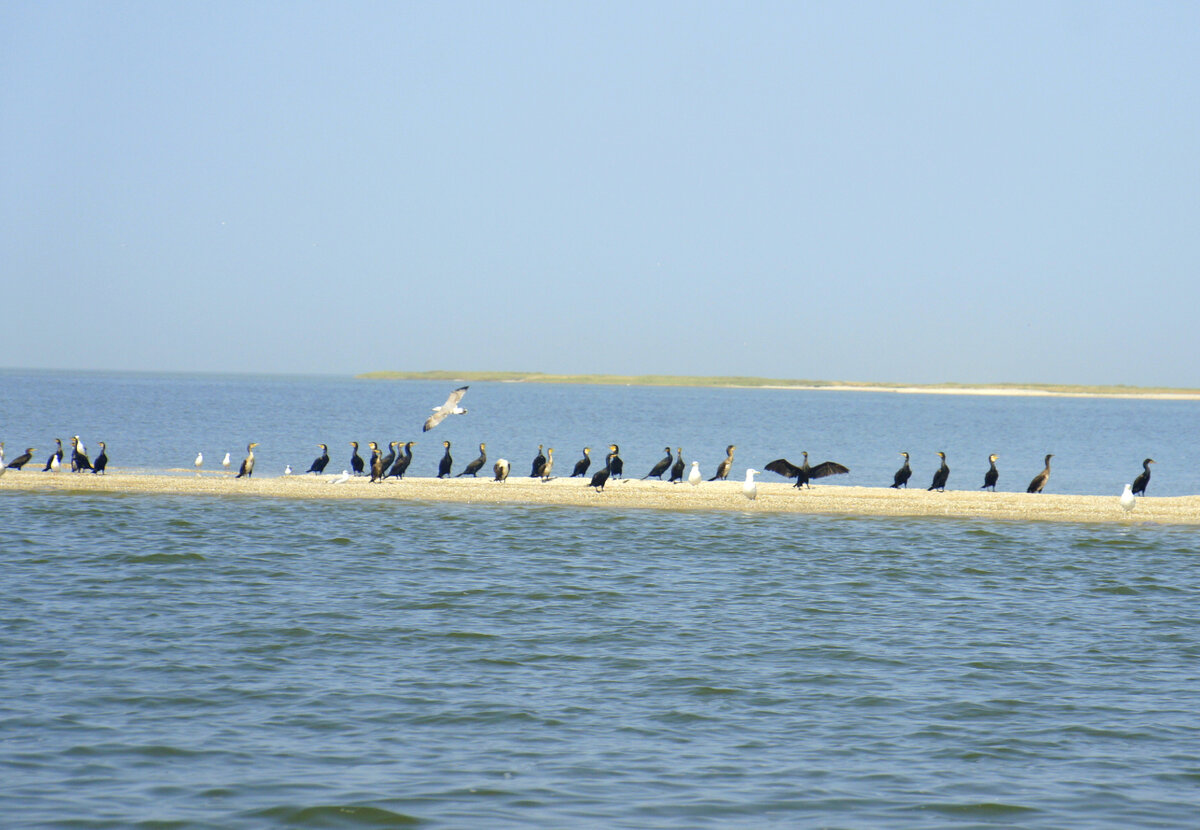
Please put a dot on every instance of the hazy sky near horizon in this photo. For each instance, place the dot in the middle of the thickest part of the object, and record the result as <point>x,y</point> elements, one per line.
<point>876,191</point>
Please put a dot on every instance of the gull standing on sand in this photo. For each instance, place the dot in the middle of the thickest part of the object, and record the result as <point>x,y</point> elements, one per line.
<point>1128,499</point>
<point>225,462</point>
<point>501,468</point>
<point>694,476</point>
<point>450,407</point>
<point>2,467</point>
<point>750,489</point>
<point>342,479</point>
<point>287,470</point>
<point>199,462</point>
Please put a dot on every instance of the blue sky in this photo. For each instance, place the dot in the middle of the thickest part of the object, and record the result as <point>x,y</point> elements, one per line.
<point>915,192</point>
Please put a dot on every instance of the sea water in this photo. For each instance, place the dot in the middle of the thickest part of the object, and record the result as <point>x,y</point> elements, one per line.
<point>233,662</point>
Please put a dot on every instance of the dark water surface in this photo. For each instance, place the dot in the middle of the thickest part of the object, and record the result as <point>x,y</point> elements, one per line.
<point>231,662</point>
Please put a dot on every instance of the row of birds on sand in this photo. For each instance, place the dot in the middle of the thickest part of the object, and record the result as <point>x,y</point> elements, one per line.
<point>79,461</point>
<point>395,463</point>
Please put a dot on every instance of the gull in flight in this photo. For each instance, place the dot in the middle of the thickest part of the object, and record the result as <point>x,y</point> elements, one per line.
<point>450,407</point>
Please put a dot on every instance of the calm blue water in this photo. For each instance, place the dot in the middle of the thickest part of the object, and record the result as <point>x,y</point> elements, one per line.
<point>232,662</point>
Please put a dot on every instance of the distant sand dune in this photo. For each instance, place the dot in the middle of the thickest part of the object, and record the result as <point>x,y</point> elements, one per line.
<point>773,497</point>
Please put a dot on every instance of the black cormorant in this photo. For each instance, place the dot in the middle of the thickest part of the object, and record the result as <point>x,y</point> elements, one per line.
<point>101,460</point>
<point>450,407</point>
<point>446,462</point>
<point>476,465</point>
<point>21,460</point>
<point>804,473</point>
<point>727,464</point>
<point>401,466</point>
<point>615,465</point>
<point>677,467</point>
<point>247,468</point>
<point>356,461</point>
<point>79,459</point>
<point>1039,480</point>
<point>900,479</point>
<point>581,466</point>
<point>661,467</point>
<point>939,478</point>
<point>539,461</point>
<point>992,475</point>
<point>600,477</point>
<point>1139,483</point>
<point>318,465</point>
<point>386,461</point>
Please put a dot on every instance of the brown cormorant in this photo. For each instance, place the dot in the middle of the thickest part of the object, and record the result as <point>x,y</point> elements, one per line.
<point>661,467</point>
<point>377,469</point>
<point>804,473</point>
<point>446,462</point>
<point>939,478</point>
<point>21,460</point>
<point>1039,480</point>
<point>677,467</point>
<point>900,479</point>
<point>476,465</point>
<point>101,460</point>
<point>1139,483</point>
<point>318,465</point>
<point>581,466</point>
<point>539,461</point>
<point>356,462</point>
<point>727,464</point>
<point>992,475</point>
<point>247,468</point>
<point>450,407</point>
<point>548,467</point>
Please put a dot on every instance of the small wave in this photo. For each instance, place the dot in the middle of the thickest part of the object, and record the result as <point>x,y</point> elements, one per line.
<point>334,815</point>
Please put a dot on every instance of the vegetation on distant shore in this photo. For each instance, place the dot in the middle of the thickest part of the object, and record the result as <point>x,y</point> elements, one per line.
<point>742,381</point>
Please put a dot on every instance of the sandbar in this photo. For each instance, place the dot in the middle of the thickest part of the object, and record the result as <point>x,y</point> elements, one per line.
<point>773,497</point>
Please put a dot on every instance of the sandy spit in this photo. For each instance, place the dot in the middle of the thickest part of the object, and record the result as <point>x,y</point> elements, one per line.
<point>773,497</point>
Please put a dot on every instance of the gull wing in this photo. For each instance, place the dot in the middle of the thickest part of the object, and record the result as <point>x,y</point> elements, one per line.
<point>440,413</point>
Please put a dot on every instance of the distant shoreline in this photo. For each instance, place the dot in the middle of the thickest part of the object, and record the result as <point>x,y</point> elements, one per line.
<point>720,496</point>
<point>997,389</point>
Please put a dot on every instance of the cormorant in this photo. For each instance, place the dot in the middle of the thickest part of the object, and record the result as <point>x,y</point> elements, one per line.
<point>804,473</point>
<point>600,477</point>
<point>939,478</point>
<point>356,462</point>
<point>318,465</point>
<point>21,460</point>
<point>476,465</point>
<point>1039,480</point>
<point>55,459</point>
<point>615,465</point>
<point>750,489</point>
<point>79,459</point>
<point>661,467</point>
<point>247,468</point>
<point>450,407</point>
<point>401,466</point>
<point>377,469</point>
<point>724,467</point>
<point>539,461</point>
<point>1139,483</point>
<point>446,462</point>
<point>581,466</point>
<point>101,460</point>
<point>694,477</point>
<point>677,467</point>
<point>199,462</point>
<point>900,479</point>
<point>500,469</point>
<point>992,475</point>
<point>549,465</point>
<point>386,461</point>
<point>1128,502</point>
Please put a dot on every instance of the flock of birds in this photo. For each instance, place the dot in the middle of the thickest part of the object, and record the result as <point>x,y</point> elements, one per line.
<point>395,463</point>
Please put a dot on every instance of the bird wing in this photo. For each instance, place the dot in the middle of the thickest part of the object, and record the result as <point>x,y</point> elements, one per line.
<point>445,409</point>
<point>784,467</point>
<point>827,468</point>
<point>434,419</point>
